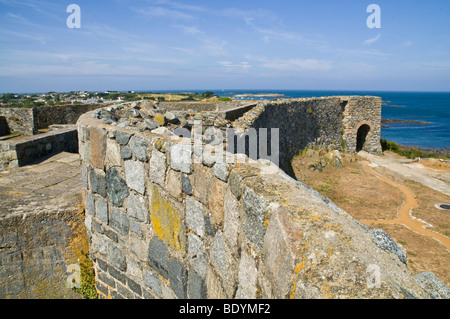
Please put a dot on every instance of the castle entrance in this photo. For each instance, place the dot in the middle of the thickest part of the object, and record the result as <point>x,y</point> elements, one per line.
<point>361,136</point>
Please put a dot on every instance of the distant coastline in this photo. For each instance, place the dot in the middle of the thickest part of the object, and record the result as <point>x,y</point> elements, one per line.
<point>392,121</point>
<point>259,95</point>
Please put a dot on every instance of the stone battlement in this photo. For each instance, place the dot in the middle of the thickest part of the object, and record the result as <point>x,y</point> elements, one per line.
<point>172,211</point>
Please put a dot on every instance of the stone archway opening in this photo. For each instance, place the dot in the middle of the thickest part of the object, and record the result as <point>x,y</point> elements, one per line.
<point>361,136</point>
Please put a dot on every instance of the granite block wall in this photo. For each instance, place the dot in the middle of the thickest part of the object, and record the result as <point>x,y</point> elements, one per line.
<point>169,218</point>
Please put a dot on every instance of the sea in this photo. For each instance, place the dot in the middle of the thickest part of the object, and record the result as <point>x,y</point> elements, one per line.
<point>430,107</point>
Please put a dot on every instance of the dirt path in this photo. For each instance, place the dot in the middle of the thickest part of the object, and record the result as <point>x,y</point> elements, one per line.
<point>404,212</point>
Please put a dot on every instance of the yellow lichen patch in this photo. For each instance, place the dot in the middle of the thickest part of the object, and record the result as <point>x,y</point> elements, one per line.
<point>293,291</point>
<point>166,221</point>
<point>299,267</point>
<point>77,252</point>
<point>266,223</point>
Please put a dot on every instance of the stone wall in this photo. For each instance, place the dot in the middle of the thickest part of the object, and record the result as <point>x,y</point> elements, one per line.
<point>361,111</point>
<point>324,122</point>
<point>20,151</point>
<point>37,245</point>
<point>171,218</point>
<point>61,114</point>
<point>28,121</point>
<point>20,119</point>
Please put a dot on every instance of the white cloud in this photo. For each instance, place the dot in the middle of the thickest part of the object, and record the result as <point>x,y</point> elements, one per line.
<point>163,12</point>
<point>192,30</point>
<point>79,69</point>
<point>230,66</point>
<point>296,64</point>
<point>215,47</point>
<point>372,40</point>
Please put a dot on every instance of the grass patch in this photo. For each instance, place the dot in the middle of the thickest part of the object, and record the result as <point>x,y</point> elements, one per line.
<point>408,152</point>
<point>87,288</point>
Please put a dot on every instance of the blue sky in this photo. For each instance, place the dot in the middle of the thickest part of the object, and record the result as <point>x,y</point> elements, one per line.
<point>247,44</point>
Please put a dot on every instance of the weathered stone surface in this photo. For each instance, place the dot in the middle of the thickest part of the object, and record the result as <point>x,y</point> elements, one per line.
<point>160,119</point>
<point>174,184</point>
<point>138,246</point>
<point>181,157</point>
<point>84,177</point>
<point>135,227</point>
<point>195,219</point>
<point>135,176</point>
<point>208,159</point>
<point>90,204</point>
<point>139,148</point>
<point>232,220</point>
<point>167,221</point>
<point>117,188</point>
<point>97,181</point>
<point>216,204</point>
<point>385,242</point>
<point>136,207</point>
<point>202,181</point>
<point>158,167</point>
<point>98,145</point>
<point>101,209</point>
<point>214,286</point>
<point>247,277</point>
<point>186,185</point>
<point>224,264</point>
<point>221,171</point>
<point>178,278</point>
<point>197,255</point>
<point>158,256</point>
<point>125,153</point>
<point>255,209</point>
<point>116,257</point>
<point>151,280</point>
<point>433,285</point>
<point>134,287</point>
<point>172,118</point>
<point>113,155</point>
<point>119,221</point>
<point>279,259</point>
<point>196,286</point>
<point>122,137</point>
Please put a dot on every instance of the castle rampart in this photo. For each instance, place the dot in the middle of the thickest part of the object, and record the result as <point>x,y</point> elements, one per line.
<point>173,217</point>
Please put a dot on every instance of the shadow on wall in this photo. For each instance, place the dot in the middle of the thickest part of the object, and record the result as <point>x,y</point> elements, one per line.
<point>309,124</point>
<point>4,127</point>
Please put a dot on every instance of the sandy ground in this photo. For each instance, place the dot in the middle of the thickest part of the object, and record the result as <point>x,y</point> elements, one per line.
<point>424,172</point>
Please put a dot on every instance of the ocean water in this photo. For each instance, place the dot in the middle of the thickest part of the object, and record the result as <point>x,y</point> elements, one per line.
<point>432,107</point>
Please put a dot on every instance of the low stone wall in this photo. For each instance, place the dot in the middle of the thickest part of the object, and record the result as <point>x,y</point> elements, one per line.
<point>20,151</point>
<point>169,219</point>
<point>19,119</point>
<point>61,114</point>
